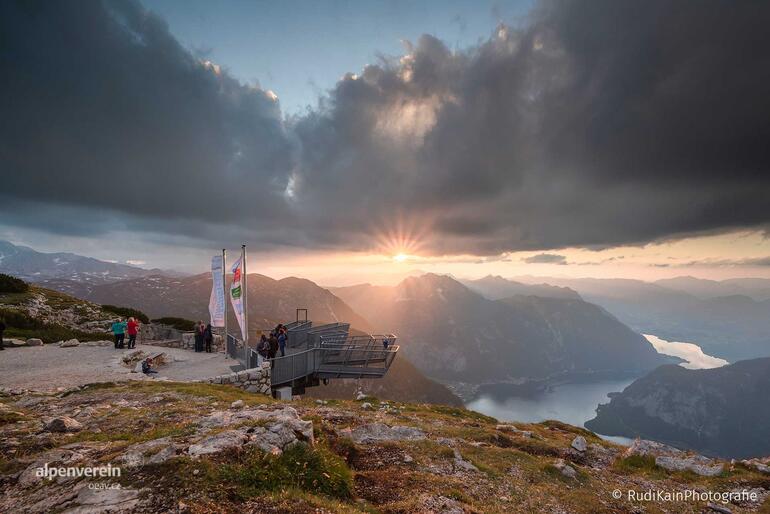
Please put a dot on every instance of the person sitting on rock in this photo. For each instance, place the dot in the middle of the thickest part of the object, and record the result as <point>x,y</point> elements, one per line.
<point>147,366</point>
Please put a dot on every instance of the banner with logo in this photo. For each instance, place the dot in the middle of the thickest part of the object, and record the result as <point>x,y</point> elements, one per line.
<point>217,299</point>
<point>236,294</point>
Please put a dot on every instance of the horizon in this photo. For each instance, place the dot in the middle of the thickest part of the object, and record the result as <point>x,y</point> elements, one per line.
<point>360,143</point>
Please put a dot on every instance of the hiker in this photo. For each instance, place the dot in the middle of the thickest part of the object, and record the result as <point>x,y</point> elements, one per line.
<point>132,327</point>
<point>208,337</point>
<point>263,347</point>
<point>119,331</point>
<point>2,329</point>
<point>147,366</point>
<point>200,329</point>
<point>273,348</point>
<point>282,341</point>
<point>385,342</point>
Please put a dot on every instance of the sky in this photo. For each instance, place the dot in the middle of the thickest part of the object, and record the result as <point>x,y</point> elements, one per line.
<point>350,141</point>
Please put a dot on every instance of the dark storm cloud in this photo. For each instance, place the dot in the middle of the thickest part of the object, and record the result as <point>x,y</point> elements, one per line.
<point>546,258</point>
<point>104,111</point>
<point>595,124</point>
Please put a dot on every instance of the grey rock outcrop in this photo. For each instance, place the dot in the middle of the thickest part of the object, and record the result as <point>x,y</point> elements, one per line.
<point>673,459</point>
<point>374,432</point>
<point>63,424</point>
<point>580,444</point>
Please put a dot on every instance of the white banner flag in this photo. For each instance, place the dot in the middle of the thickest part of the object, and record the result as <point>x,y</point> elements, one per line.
<point>217,299</point>
<point>236,294</point>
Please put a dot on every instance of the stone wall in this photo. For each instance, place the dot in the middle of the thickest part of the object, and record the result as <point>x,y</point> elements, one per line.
<point>254,380</point>
<point>169,337</point>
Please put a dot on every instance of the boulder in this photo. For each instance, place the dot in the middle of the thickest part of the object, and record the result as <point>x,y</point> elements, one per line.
<point>69,343</point>
<point>698,464</point>
<point>237,404</point>
<point>673,459</point>
<point>63,424</point>
<point>34,341</point>
<point>367,406</point>
<point>218,442</point>
<point>375,432</point>
<point>360,396</point>
<point>150,452</point>
<point>565,469</point>
<point>94,500</point>
<point>462,464</point>
<point>580,444</point>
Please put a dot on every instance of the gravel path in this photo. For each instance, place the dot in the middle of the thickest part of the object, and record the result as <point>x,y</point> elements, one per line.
<point>50,367</point>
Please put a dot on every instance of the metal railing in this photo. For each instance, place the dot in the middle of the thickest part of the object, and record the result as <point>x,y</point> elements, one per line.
<point>346,357</point>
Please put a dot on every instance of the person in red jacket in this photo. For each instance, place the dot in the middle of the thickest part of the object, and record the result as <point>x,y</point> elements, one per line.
<point>133,329</point>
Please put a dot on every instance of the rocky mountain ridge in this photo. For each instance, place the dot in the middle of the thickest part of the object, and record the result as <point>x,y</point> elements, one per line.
<point>720,411</point>
<point>455,334</point>
<point>185,447</point>
<point>64,269</point>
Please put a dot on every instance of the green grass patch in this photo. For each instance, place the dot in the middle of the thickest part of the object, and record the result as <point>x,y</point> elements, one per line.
<point>315,470</point>
<point>458,412</point>
<point>559,425</point>
<point>644,464</point>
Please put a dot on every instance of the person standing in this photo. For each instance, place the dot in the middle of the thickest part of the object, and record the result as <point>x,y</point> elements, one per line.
<point>200,329</point>
<point>273,348</point>
<point>2,330</point>
<point>133,329</point>
<point>208,337</point>
<point>263,348</point>
<point>119,331</point>
<point>282,341</point>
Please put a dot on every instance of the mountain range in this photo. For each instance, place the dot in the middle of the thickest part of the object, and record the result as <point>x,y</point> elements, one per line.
<point>732,327</point>
<point>720,411</point>
<point>455,334</point>
<point>269,301</point>
<point>66,270</point>
<point>496,287</point>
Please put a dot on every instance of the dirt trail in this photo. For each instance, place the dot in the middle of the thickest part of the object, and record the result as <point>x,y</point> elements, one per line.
<point>49,367</point>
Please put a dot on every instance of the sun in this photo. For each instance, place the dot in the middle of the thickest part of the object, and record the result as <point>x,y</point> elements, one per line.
<point>400,257</point>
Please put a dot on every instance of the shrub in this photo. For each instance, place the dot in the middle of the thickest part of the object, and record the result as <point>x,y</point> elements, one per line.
<point>9,284</point>
<point>315,470</point>
<point>127,312</point>
<point>185,325</point>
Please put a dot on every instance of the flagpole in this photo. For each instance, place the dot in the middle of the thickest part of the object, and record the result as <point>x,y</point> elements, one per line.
<point>224,288</point>
<point>245,305</point>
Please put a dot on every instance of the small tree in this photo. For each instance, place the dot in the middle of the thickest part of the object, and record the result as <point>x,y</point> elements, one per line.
<point>9,284</point>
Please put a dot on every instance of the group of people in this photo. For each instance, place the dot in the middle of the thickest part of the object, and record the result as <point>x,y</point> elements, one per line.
<point>204,336</point>
<point>120,328</point>
<point>268,347</point>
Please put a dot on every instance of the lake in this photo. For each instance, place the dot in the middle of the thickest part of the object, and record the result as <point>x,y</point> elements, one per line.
<point>575,403</point>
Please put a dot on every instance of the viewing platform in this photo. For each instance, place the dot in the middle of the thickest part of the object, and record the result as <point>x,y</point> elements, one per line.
<point>316,353</point>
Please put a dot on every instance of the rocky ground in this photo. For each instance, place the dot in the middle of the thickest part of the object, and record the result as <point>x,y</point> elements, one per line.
<point>190,447</point>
